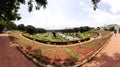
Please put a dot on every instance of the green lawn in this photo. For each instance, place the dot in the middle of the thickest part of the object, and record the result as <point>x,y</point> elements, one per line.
<point>46,37</point>
<point>83,35</point>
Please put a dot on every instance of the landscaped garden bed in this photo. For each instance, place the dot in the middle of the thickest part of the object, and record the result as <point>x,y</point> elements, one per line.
<point>68,38</point>
<point>60,56</point>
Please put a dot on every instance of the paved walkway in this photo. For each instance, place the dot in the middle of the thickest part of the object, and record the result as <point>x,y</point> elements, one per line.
<point>10,56</point>
<point>109,56</point>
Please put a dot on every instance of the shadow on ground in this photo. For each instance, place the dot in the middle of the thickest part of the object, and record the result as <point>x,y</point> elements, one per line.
<point>107,61</point>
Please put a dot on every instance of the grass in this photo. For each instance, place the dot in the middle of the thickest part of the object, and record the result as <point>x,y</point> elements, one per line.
<point>25,42</point>
<point>71,50</point>
<point>46,37</point>
<point>71,53</point>
<point>83,35</point>
<point>97,43</point>
<point>40,52</point>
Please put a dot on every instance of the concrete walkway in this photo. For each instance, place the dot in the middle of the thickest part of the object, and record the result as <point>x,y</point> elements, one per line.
<point>10,56</point>
<point>109,56</point>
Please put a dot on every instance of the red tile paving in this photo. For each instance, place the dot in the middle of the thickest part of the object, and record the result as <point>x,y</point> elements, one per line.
<point>109,56</point>
<point>10,56</point>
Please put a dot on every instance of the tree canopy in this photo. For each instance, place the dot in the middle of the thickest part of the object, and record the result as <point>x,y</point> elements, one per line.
<point>21,27</point>
<point>95,2</point>
<point>9,8</point>
<point>76,29</point>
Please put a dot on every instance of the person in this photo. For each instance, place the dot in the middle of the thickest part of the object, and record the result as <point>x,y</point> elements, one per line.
<point>115,32</point>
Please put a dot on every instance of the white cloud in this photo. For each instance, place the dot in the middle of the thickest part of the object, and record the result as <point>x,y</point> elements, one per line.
<point>101,16</point>
<point>69,13</point>
<point>108,12</point>
<point>114,4</point>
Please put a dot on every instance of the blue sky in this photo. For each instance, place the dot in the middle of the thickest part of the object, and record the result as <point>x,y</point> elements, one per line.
<point>72,13</point>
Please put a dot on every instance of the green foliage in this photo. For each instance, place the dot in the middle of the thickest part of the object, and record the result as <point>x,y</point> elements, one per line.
<point>9,8</point>
<point>49,37</point>
<point>77,29</point>
<point>1,27</point>
<point>21,27</point>
<point>30,29</point>
<point>46,37</point>
<point>27,34</point>
<point>84,35</point>
<point>54,34</point>
<point>10,26</point>
<point>95,2</point>
<point>40,30</point>
<point>7,26</point>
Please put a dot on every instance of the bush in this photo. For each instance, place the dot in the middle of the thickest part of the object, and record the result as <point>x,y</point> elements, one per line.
<point>49,42</point>
<point>1,27</point>
<point>30,29</point>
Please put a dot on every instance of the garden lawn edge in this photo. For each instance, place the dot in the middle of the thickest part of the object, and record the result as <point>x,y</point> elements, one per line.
<point>93,55</point>
<point>34,60</point>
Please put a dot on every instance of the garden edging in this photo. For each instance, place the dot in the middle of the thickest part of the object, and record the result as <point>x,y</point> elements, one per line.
<point>34,60</point>
<point>92,56</point>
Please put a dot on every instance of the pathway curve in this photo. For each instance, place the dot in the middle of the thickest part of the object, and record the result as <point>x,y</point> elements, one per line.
<point>109,56</point>
<point>10,56</point>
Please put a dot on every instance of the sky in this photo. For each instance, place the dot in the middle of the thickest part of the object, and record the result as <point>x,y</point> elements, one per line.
<point>71,13</point>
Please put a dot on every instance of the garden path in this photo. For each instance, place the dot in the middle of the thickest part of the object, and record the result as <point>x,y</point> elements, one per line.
<point>10,56</point>
<point>109,56</point>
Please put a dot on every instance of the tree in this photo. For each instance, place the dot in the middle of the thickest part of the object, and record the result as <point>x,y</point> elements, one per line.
<point>54,34</point>
<point>9,8</point>
<point>21,27</point>
<point>10,26</point>
<point>95,2</point>
<point>112,28</point>
<point>85,28</point>
<point>40,30</point>
<point>76,29</point>
<point>98,28</point>
<point>2,25</point>
<point>30,29</point>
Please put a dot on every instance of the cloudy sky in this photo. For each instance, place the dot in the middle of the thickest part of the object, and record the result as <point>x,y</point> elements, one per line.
<point>72,13</point>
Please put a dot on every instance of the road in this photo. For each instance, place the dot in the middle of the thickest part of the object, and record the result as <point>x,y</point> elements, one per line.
<point>10,56</point>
